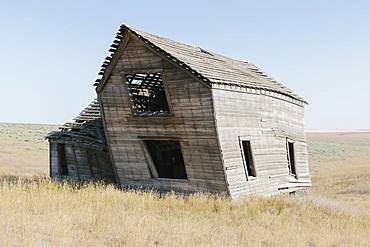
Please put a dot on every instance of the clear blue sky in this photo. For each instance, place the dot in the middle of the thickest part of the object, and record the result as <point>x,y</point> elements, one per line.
<point>51,51</point>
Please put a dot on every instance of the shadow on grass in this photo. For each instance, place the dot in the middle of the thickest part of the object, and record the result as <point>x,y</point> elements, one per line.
<point>25,181</point>
<point>76,185</point>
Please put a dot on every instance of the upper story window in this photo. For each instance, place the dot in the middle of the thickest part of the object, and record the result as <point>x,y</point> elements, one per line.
<point>148,94</point>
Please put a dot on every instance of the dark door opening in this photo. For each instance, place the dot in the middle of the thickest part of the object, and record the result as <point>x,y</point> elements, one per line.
<point>248,159</point>
<point>167,158</point>
<point>291,159</point>
<point>63,167</point>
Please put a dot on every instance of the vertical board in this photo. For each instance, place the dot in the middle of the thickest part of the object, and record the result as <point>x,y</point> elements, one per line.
<point>54,159</point>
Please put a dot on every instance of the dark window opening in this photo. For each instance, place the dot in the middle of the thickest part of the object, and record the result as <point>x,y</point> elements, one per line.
<point>63,167</point>
<point>248,159</point>
<point>167,159</point>
<point>147,92</point>
<point>291,159</point>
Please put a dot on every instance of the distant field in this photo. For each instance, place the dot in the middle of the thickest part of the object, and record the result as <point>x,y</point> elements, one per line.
<point>340,169</point>
<point>23,148</point>
<point>35,211</point>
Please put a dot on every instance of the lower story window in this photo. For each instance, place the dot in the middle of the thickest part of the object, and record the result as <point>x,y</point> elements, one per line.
<point>291,158</point>
<point>248,159</point>
<point>167,158</point>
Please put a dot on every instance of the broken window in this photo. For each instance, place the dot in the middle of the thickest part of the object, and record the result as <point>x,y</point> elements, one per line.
<point>148,95</point>
<point>167,158</point>
<point>291,158</point>
<point>248,159</point>
<point>63,167</point>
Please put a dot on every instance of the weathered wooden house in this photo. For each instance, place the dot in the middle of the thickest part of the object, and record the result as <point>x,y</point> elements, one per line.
<point>177,117</point>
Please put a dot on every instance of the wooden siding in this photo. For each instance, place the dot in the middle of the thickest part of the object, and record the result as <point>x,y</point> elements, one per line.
<point>192,122</point>
<point>266,121</point>
<point>84,163</point>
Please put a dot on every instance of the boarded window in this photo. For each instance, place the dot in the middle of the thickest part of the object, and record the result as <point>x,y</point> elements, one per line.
<point>248,159</point>
<point>63,167</point>
<point>291,158</point>
<point>147,93</point>
<point>167,158</point>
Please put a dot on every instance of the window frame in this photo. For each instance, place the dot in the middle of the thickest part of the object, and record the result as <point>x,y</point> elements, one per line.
<point>151,166</point>
<point>290,170</point>
<point>253,165</point>
<point>165,87</point>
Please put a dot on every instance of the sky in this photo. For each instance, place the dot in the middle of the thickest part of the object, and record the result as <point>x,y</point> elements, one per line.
<point>51,51</point>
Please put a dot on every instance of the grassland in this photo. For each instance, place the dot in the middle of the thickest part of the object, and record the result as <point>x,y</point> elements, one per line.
<point>340,170</point>
<point>23,148</point>
<point>35,211</point>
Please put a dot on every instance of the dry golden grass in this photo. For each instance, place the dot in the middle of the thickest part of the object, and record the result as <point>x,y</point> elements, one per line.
<point>36,211</point>
<point>42,212</point>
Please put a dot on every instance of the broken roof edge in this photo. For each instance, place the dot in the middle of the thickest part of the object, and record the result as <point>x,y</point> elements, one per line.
<point>87,120</point>
<point>107,65</point>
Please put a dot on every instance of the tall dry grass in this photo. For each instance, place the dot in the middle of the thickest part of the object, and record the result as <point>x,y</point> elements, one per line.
<point>41,212</point>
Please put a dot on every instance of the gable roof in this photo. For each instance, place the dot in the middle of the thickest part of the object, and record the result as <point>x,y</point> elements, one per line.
<point>205,65</point>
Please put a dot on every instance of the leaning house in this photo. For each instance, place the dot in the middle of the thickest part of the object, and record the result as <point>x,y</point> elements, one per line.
<point>174,117</point>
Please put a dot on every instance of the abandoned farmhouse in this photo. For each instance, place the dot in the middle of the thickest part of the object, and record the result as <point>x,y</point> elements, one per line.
<point>171,116</point>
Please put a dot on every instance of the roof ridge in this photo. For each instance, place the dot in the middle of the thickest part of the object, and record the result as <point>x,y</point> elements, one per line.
<point>161,37</point>
<point>207,66</point>
<point>188,44</point>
